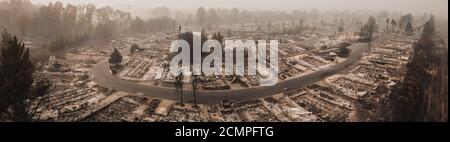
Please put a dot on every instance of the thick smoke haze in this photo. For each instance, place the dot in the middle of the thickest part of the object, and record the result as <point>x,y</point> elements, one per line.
<point>437,7</point>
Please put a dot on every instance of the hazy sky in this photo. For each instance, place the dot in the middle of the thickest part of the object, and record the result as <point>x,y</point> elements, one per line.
<point>438,7</point>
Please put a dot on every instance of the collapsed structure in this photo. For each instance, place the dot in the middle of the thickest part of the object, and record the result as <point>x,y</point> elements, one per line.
<point>76,98</point>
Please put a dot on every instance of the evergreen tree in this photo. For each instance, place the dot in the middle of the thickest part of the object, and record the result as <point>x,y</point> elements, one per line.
<point>409,29</point>
<point>371,27</point>
<point>201,16</point>
<point>138,25</point>
<point>404,20</point>
<point>387,24</point>
<point>429,29</point>
<point>17,91</point>
<point>115,58</point>
<point>394,24</point>
<point>422,96</point>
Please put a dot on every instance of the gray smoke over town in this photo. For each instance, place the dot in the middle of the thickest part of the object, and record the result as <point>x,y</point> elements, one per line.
<point>436,7</point>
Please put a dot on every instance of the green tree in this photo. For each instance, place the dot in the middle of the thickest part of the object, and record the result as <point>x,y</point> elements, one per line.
<point>201,16</point>
<point>18,92</point>
<point>371,28</point>
<point>394,24</point>
<point>115,58</point>
<point>138,25</point>
<point>387,24</point>
<point>408,18</point>
<point>429,29</point>
<point>367,30</point>
<point>422,95</point>
<point>409,29</point>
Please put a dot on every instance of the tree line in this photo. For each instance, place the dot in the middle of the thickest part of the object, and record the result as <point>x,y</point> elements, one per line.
<point>59,20</point>
<point>160,24</point>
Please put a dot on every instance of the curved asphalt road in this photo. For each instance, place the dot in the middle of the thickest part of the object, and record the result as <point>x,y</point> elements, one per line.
<point>101,76</point>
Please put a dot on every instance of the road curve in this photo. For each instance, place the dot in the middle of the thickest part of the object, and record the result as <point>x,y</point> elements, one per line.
<point>102,77</point>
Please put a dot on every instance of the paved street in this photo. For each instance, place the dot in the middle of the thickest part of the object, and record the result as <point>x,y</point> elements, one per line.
<point>101,76</point>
